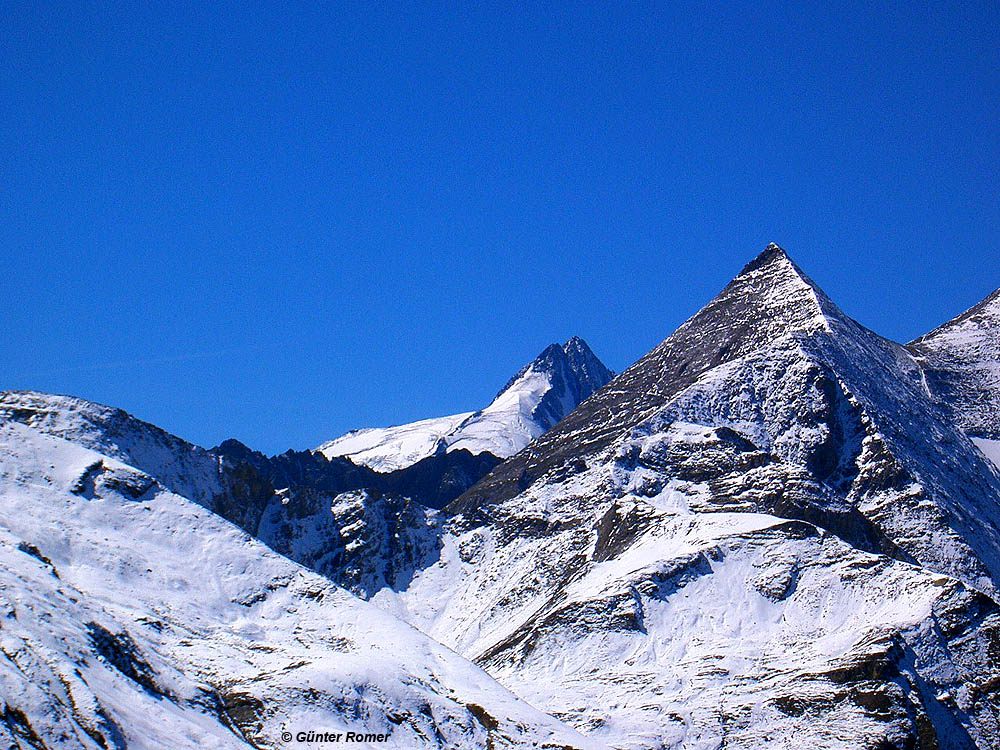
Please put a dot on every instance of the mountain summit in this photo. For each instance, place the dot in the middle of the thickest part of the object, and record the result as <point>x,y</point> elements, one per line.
<point>770,298</point>
<point>534,400</point>
<point>843,400</point>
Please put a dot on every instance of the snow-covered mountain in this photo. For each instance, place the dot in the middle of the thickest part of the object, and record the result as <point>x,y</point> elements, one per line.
<point>349,523</point>
<point>961,361</point>
<point>542,393</point>
<point>773,531</point>
<point>763,534</point>
<point>133,617</point>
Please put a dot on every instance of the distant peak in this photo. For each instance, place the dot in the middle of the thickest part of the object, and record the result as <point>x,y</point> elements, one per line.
<point>574,358</point>
<point>984,317</point>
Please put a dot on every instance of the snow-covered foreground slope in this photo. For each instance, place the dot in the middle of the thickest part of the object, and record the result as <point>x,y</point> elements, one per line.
<point>178,465</point>
<point>320,516</point>
<point>679,628</point>
<point>542,393</point>
<point>133,617</point>
<point>764,534</point>
<point>961,360</point>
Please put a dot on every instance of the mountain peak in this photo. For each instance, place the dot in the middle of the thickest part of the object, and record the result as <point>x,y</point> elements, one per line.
<point>769,299</point>
<point>771,254</point>
<point>541,393</point>
<point>984,316</point>
<point>575,357</point>
<point>774,269</point>
<point>774,263</point>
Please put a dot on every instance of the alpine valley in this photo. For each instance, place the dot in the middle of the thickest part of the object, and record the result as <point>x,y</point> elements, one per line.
<point>777,529</point>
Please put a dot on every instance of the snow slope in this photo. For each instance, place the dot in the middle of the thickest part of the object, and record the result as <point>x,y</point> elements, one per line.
<point>134,617</point>
<point>391,448</point>
<point>180,466</point>
<point>541,394</point>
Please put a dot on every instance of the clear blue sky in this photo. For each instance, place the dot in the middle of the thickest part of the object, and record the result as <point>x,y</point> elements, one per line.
<point>278,221</point>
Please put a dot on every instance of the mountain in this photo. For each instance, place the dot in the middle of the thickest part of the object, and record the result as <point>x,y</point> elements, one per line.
<point>772,531</point>
<point>133,617</point>
<point>764,533</point>
<point>533,401</point>
<point>867,396</point>
<point>961,362</point>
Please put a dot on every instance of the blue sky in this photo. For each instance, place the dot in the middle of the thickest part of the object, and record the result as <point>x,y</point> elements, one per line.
<point>280,221</point>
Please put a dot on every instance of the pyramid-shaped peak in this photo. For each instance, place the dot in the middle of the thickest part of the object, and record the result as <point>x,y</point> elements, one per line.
<point>774,263</point>
<point>770,299</point>
<point>577,350</point>
<point>774,296</point>
<point>584,365</point>
<point>573,361</point>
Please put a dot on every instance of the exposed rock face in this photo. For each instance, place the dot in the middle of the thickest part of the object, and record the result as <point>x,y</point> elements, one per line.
<point>433,481</point>
<point>961,360</point>
<point>363,541</point>
<point>536,398</point>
